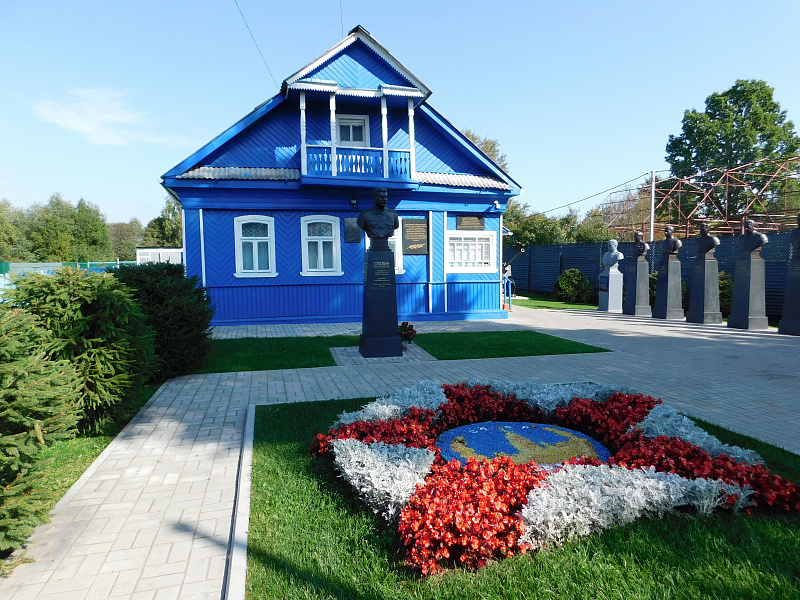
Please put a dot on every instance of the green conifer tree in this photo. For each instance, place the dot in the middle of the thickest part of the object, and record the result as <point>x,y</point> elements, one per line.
<point>38,398</point>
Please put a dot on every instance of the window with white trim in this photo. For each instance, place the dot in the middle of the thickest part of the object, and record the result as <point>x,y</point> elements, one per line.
<point>320,238</point>
<point>353,131</point>
<point>254,246</point>
<point>471,251</point>
<point>395,245</point>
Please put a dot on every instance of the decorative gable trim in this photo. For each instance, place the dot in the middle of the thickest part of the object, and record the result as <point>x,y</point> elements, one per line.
<point>362,35</point>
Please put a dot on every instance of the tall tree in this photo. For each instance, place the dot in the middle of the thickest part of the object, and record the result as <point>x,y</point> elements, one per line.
<point>90,234</point>
<point>125,238</point>
<point>14,246</point>
<point>60,232</point>
<point>490,147</point>
<point>165,231</point>
<point>739,126</point>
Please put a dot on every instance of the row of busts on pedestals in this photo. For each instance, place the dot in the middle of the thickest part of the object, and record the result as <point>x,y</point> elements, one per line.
<point>748,305</point>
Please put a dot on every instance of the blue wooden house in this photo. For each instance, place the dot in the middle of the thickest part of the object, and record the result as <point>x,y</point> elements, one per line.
<point>269,206</point>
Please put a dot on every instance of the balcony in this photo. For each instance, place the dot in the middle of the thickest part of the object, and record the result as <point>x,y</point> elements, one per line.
<point>358,163</point>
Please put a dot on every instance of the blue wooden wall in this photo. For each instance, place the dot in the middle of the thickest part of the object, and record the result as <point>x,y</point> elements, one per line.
<point>423,292</point>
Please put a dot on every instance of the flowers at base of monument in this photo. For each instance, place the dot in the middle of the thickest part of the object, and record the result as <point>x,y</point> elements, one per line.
<point>407,332</point>
<point>449,514</point>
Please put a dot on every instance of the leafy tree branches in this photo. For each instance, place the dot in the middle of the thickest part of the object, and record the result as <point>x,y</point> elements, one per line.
<point>741,125</point>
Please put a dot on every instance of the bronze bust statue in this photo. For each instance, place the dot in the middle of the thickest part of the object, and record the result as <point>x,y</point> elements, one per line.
<point>705,241</point>
<point>671,244</point>
<point>751,240</point>
<point>641,246</point>
<point>378,221</point>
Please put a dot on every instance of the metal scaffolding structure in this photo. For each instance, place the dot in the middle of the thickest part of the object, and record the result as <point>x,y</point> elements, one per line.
<point>767,191</point>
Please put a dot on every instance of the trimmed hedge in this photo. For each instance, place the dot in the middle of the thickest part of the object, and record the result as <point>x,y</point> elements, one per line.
<point>177,308</point>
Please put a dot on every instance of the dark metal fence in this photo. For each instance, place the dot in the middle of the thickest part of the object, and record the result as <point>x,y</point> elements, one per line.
<point>537,269</point>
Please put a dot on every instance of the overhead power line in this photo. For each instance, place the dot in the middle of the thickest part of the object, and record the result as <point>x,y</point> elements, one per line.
<point>256,43</point>
<point>611,189</point>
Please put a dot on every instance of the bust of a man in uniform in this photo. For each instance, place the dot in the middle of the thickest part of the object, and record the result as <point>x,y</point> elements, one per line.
<point>378,221</point>
<point>641,246</point>
<point>751,240</point>
<point>671,244</point>
<point>705,241</point>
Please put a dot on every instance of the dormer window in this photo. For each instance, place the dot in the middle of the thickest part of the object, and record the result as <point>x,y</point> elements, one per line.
<point>353,131</point>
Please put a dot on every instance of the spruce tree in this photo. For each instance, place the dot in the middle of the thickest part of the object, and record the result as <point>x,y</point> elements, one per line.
<point>38,398</point>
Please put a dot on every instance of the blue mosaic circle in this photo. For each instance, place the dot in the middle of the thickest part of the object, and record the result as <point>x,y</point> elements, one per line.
<point>522,442</point>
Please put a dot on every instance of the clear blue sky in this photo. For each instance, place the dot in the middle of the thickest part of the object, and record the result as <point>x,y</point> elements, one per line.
<point>99,98</point>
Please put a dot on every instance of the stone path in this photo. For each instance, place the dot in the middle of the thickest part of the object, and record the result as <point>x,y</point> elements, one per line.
<point>152,518</point>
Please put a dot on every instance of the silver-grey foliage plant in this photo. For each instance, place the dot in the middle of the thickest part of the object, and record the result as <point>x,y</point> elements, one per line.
<point>383,475</point>
<point>579,500</point>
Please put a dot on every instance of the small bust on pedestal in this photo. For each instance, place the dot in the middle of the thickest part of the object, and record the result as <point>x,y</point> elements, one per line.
<point>706,243</point>
<point>610,298</point>
<point>704,297</point>
<point>669,304</point>
<point>379,322</point>
<point>748,304</point>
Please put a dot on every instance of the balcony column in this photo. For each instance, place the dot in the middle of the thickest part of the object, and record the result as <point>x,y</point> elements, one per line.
<point>385,134</point>
<point>333,134</point>
<point>412,154</point>
<point>303,150</point>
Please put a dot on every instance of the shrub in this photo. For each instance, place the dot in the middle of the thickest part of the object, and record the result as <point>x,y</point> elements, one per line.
<point>177,308</point>
<point>725,293</point>
<point>37,407</point>
<point>97,326</point>
<point>573,286</point>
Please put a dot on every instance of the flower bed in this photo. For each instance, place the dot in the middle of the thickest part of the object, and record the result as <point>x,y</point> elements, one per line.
<point>452,514</point>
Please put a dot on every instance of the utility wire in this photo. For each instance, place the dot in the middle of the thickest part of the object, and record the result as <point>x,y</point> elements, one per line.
<point>341,17</point>
<point>256,43</point>
<point>611,189</point>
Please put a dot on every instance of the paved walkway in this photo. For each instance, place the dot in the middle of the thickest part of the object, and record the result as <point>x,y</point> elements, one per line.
<point>152,518</point>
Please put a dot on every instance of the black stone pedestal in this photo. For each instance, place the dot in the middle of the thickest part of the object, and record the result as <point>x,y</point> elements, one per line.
<point>748,305</point>
<point>704,297</point>
<point>790,322</point>
<point>669,304</point>
<point>637,289</point>
<point>379,336</point>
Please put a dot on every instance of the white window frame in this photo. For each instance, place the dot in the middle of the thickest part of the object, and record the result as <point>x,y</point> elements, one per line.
<point>396,245</point>
<point>238,239</point>
<point>362,120</point>
<point>337,246</point>
<point>491,236</point>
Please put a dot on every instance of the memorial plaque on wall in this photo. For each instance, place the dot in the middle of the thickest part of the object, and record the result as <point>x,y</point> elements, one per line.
<point>352,232</point>
<point>415,236</point>
<point>469,222</point>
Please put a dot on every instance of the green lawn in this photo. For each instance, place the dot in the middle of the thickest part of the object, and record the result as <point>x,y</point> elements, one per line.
<point>497,344</point>
<point>310,538</point>
<point>537,301</point>
<point>264,354</point>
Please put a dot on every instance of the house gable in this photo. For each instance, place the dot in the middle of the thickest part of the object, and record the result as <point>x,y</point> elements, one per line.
<point>293,136</point>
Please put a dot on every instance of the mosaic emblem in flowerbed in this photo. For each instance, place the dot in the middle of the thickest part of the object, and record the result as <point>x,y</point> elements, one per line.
<point>482,470</point>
